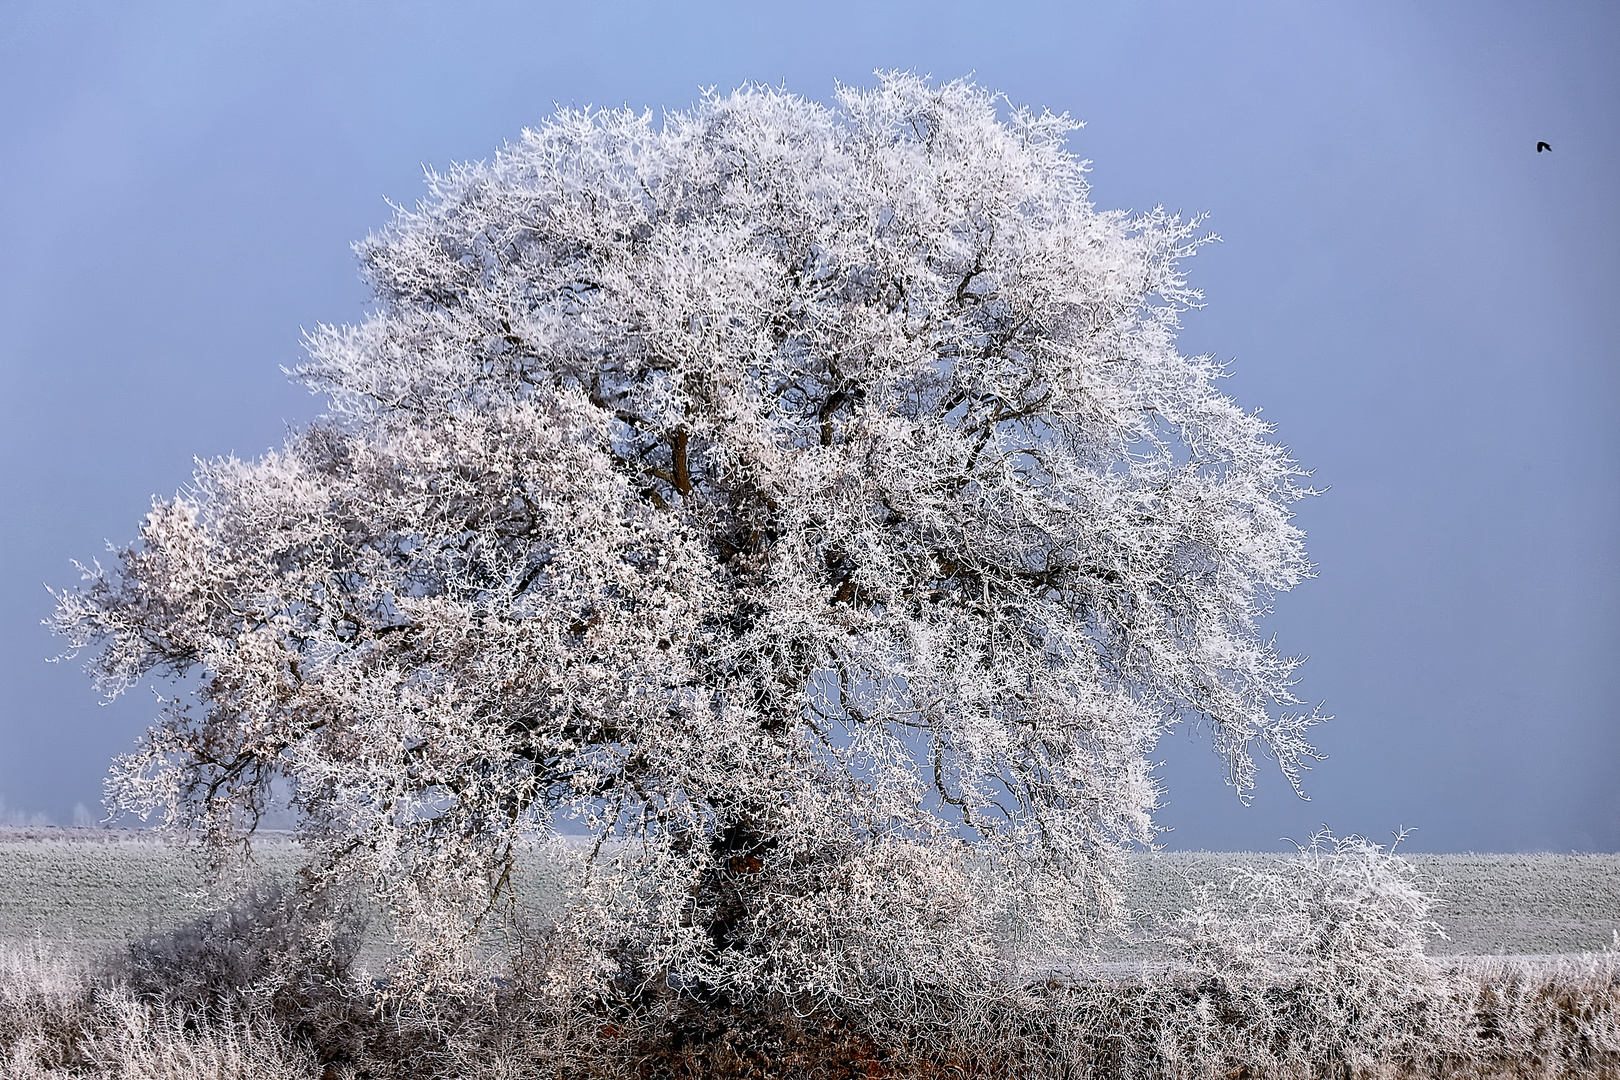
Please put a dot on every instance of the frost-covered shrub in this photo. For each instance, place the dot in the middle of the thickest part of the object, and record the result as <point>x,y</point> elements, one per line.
<point>1325,951</point>
<point>1340,908</point>
<point>269,945</point>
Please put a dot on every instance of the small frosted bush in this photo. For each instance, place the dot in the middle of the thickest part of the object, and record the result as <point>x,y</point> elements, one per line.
<point>1341,909</point>
<point>1323,955</point>
<point>268,944</point>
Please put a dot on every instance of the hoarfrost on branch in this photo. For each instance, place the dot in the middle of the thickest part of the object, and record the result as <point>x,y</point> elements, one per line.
<point>809,501</point>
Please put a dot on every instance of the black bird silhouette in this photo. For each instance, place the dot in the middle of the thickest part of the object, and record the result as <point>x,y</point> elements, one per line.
<point>1540,146</point>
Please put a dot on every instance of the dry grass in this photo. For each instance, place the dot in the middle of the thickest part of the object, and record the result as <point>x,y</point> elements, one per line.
<point>1487,1019</point>
<point>56,1022</point>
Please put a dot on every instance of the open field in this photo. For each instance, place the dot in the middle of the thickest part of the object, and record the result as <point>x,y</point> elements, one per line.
<point>68,896</point>
<point>85,892</point>
<point>1489,904</point>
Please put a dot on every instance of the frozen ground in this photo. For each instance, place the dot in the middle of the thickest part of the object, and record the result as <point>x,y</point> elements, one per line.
<point>1489,904</point>
<point>83,892</point>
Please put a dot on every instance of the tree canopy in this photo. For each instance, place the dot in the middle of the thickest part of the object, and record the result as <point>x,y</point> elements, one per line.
<point>799,497</point>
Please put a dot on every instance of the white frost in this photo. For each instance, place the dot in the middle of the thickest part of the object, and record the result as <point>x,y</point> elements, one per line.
<point>813,499</point>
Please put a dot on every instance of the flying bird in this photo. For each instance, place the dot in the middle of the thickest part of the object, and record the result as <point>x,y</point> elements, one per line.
<point>1540,146</point>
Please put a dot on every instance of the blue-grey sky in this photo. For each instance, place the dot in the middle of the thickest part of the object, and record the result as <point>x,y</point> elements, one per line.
<point>1421,303</point>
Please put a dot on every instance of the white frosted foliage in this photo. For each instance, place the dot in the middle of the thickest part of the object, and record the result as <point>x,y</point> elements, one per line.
<point>810,500</point>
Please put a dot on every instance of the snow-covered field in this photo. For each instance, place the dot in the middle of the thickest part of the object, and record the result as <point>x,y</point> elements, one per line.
<point>1489,904</point>
<point>83,892</point>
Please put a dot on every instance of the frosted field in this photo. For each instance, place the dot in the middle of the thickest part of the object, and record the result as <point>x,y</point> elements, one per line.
<point>82,893</point>
<point>79,894</point>
<point>1489,904</point>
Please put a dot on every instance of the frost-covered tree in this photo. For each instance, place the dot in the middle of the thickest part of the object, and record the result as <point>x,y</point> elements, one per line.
<point>800,497</point>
